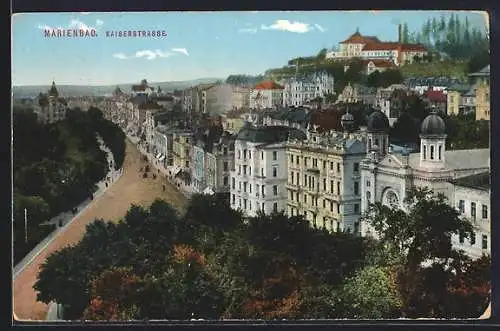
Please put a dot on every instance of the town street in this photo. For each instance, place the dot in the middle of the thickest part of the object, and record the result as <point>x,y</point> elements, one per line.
<point>129,189</point>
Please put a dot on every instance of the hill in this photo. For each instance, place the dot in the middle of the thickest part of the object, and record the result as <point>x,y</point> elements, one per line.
<point>28,91</point>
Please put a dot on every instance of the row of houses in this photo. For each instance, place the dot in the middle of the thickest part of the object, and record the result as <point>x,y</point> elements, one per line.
<point>332,177</point>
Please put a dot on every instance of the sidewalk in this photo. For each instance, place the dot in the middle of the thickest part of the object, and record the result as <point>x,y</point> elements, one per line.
<point>185,190</point>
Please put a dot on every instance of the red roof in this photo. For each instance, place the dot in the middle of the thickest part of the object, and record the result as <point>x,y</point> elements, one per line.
<point>413,48</point>
<point>436,96</point>
<point>380,63</point>
<point>357,38</point>
<point>268,85</point>
<point>381,47</point>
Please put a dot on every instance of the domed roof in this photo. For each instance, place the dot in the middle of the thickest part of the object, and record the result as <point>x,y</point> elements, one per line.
<point>433,124</point>
<point>377,121</point>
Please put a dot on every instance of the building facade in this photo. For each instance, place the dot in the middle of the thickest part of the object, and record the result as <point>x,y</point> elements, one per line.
<point>266,95</point>
<point>482,85</point>
<point>260,169</point>
<point>324,178</point>
<point>387,177</point>
<point>299,91</point>
<point>217,99</point>
<point>51,107</point>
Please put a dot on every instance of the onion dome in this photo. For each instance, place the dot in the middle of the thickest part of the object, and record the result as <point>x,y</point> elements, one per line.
<point>433,125</point>
<point>377,122</point>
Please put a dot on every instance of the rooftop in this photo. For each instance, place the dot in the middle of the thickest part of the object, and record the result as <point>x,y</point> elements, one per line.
<point>459,159</point>
<point>268,85</point>
<point>268,134</point>
<point>479,181</point>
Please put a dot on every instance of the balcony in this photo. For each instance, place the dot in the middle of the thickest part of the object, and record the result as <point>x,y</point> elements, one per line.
<point>294,187</point>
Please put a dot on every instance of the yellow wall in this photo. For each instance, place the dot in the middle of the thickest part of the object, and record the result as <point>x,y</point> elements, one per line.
<point>483,101</point>
<point>453,103</point>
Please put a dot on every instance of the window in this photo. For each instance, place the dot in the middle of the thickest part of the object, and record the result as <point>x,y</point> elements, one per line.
<point>315,163</point>
<point>291,158</point>
<point>461,237</point>
<point>432,152</point>
<point>244,170</point>
<point>262,155</point>
<point>263,207</point>
<point>324,184</point>
<point>249,188</point>
<point>473,239</point>
<point>275,189</point>
<point>338,208</point>
<point>368,183</point>
<point>356,188</point>
<point>233,183</point>
<point>338,188</point>
<point>226,180</point>
<point>331,186</point>
<point>356,167</point>
<point>324,165</point>
<point>297,160</point>
<point>331,165</point>
<point>461,206</point>
<point>234,199</point>
<point>425,152</point>
<point>245,204</point>
<point>291,177</point>
<point>244,154</point>
<point>275,155</point>
<point>275,207</point>
<point>440,148</point>
<point>473,210</point>
<point>225,151</point>
<point>324,203</point>
<point>485,211</point>
<point>244,186</point>
<point>356,208</point>
<point>275,172</point>
<point>338,167</point>
<point>262,172</point>
<point>239,154</point>
<point>485,242</point>
<point>263,187</point>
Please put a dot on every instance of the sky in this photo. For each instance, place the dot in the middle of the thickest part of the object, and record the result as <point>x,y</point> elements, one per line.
<point>196,45</point>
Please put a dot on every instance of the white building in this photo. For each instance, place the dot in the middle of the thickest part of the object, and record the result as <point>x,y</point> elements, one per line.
<point>298,91</point>
<point>217,99</point>
<point>260,175</point>
<point>386,177</point>
<point>266,95</point>
<point>472,196</point>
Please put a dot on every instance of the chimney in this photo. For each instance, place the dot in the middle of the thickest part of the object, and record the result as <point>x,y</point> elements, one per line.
<point>399,34</point>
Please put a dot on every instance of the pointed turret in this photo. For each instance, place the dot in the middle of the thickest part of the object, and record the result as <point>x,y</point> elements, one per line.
<point>53,91</point>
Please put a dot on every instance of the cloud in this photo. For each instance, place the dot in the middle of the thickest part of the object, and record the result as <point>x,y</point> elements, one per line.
<point>180,50</point>
<point>99,22</point>
<point>319,28</point>
<point>151,55</point>
<point>120,56</point>
<point>248,30</point>
<point>286,25</point>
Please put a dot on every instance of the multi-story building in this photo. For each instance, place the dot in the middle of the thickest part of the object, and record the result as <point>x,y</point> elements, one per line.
<point>212,161</point>
<point>358,93</point>
<point>299,118</point>
<point>435,100</point>
<point>181,149</point>
<point>266,95</point>
<point>482,85</point>
<point>324,177</point>
<point>162,145</point>
<point>217,99</point>
<point>380,65</point>
<point>142,89</point>
<point>299,91</point>
<point>387,176</point>
<point>51,108</point>
<point>391,101</point>
<point>460,99</point>
<point>369,47</point>
<point>472,196</point>
<point>240,97</point>
<point>260,168</point>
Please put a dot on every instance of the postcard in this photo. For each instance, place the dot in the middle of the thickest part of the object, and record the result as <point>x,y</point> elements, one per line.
<point>217,166</point>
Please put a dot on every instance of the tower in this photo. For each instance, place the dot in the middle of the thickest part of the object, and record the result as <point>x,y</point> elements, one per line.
<point>347,122</point>
<point>377,133</point>
<point>432,142</point>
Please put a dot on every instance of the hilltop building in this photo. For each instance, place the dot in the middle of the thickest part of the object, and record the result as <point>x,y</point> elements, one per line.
<point>371,48</point>
<point>482,85</point>
<point>299,91</point>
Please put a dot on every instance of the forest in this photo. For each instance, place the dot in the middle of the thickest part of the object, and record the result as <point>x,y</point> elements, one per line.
<point>211,263</point>
<point>56,167</point>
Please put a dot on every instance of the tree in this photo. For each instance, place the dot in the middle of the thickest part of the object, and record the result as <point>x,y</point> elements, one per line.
<point>322,54</point>
<point>370,294</point>
<point>114,296</point>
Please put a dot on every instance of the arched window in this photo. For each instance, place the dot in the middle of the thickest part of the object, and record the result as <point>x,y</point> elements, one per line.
<point>432,152</point>
<point>368,198</point>
<point>425,152</point>
<point>376,142</point>
<point>369,144</point>
<point>440,152</point>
